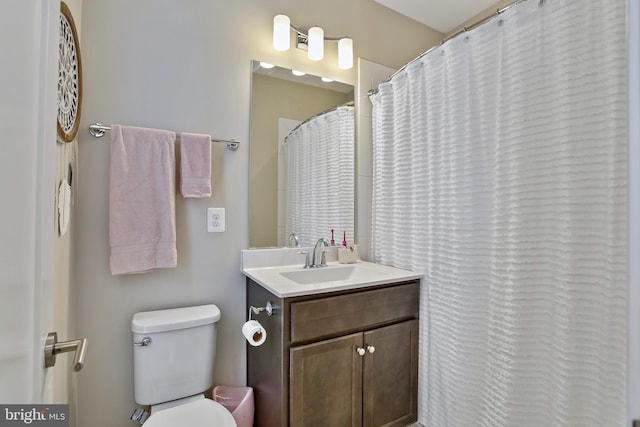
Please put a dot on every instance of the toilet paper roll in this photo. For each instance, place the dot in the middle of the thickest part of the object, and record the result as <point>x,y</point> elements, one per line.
<point>254,333</point>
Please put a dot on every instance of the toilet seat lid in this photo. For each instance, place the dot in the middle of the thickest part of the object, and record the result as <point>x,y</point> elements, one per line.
<point>202,413</point>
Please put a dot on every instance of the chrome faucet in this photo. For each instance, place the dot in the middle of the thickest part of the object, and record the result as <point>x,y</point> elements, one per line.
<point>307,259</point>
<point>318,253</point>
<point>296,242</point>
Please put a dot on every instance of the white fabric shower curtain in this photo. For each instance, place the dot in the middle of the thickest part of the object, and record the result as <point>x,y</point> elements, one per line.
<point>319,177</point>
<point>500,166</point>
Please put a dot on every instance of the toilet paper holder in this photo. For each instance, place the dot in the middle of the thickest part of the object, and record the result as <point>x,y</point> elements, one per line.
<point>270,308</point>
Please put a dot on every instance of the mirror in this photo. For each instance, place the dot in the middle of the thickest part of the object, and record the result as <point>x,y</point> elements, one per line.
<point>324,195</point>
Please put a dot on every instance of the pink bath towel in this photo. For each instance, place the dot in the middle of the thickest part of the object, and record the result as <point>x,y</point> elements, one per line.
<point>195,165</point>
<point>142,224</point>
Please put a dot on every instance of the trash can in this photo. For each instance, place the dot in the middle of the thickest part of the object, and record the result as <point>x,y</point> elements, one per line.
<point>238,400</point>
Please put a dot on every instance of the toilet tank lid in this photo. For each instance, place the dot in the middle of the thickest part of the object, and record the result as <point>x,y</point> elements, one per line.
<point>174,318</point>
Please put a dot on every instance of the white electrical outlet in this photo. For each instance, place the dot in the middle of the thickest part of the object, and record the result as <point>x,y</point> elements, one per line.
<point>215,220</point>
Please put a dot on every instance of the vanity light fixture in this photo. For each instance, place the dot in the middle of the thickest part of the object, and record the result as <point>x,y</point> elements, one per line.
<point>266,65</point>
<point>345,53</point>
<point>312,41</point>
<point>298,73</point>
<point>327,79</point>
<point>281,28</point>
<point>316,43</point>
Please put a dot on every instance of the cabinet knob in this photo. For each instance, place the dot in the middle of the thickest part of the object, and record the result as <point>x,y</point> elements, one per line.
<point>361,351</point>
<point>371,348</point>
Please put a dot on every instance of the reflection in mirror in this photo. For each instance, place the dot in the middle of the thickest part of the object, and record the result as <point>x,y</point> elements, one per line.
<point>317,157</point>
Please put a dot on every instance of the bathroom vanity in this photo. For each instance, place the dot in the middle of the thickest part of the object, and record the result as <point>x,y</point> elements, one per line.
<point>342,352</point>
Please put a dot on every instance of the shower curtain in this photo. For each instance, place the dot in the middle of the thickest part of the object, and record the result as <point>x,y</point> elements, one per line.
<point>500,167</point>
<point>319,177</point>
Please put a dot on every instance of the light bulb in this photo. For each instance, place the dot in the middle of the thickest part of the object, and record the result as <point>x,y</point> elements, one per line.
<point>345,53</point>
<point>298,73</point>
<point>316,43</point>
<point>281,32</point>
<point>266,65</point>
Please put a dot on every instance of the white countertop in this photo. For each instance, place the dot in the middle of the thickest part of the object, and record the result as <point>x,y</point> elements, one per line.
<point>351,276</point>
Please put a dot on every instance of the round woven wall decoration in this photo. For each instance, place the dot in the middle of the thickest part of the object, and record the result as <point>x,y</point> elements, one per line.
<point>69,77</point>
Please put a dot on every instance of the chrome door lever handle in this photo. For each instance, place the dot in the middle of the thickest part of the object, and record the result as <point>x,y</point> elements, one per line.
<point>52,347</point>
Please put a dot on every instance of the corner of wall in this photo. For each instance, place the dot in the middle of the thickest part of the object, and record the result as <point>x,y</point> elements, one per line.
<point>370,75</point>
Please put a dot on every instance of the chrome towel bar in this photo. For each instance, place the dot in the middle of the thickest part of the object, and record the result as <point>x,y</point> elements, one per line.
<point>97,130</point>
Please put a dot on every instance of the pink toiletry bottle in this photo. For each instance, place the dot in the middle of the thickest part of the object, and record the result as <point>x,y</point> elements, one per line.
<point>333,242</point>
<point>344,239</point>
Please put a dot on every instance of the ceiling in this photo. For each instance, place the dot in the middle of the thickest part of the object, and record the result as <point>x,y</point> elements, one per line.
<point>442,15</point>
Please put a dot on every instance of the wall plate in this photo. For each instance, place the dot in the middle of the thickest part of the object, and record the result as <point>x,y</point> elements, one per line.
<point>215,220</point>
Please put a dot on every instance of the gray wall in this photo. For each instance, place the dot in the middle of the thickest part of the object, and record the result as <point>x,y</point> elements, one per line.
<point>185,66</point>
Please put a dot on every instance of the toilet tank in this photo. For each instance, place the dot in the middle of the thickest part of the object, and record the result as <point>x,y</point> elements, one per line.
<point>173,352</point>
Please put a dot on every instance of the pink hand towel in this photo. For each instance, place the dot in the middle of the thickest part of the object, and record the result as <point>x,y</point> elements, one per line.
<point>195,165</point>
<point>142,224</point>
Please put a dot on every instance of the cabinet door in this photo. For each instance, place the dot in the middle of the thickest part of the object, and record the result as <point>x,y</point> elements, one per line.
<point>326,383</point>
<point>391,375</point>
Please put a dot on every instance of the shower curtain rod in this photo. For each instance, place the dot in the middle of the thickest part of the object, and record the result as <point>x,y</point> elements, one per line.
<point>347,104</point>
<point>476,24</point>
<point>98,130</point>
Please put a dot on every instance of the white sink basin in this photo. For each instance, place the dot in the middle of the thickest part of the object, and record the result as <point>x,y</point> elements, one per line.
<point>320,274</point>
<point>293,280</point>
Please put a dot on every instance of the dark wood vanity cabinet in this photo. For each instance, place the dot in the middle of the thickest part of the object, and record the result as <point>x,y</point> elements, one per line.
<point>337,359</point>
<point>332,384</point>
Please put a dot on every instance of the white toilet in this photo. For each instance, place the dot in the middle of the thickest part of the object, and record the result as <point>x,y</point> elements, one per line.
<point>173,358</point>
